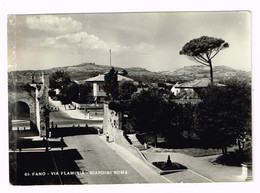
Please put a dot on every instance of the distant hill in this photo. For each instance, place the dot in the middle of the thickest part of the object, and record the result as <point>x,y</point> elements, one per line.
<point>200,71</point>
<point>187,73</point>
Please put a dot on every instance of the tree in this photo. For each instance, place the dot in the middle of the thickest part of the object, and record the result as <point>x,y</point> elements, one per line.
<point>52,93</point>
<point>124,72</point>
<point>223,115</point>
<point>69,93</point>
<point>203,50</point>
<point>85,93</point>
<point>149,111</point>
<point>59,79</point>
<point>241,109</point>
<point>126,89</point>
<point>212,119</point>
<point>111,84</point>
<point>78,93</point>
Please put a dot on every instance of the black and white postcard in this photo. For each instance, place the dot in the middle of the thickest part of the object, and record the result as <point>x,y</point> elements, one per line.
<point>129,98</point>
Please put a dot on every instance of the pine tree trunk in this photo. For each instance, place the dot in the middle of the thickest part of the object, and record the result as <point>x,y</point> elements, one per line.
<point>155,139</point>
<point>211,72</point>
<point>239,146</point>
<point>223,151</point>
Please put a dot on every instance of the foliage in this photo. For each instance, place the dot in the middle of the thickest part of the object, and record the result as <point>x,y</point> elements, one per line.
<point>59,79</point>
<point>223,115</point>
<point>234,158</point>
<point>126,89</point>
<point>124,72</point>
<point>148,108</point>
<point>69,93</point>
<point>85,93</point>
<point>164,85</point>
<point>111,84</point>
<point>78,93</point>
<point>118,106</point>
<point>203,50</point>
<point>52,93</point>
<point>149,112</point>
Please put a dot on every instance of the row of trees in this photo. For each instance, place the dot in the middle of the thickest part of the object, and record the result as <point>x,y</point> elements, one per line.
<point>223,116</point>
<point>69,90</point>
<point>83,93</point>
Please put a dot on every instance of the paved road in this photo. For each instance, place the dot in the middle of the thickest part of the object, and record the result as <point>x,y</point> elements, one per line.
<point>100,163</point>
<point>62,119</point>
<point>87,159</point>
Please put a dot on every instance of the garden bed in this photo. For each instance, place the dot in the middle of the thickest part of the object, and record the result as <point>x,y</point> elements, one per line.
<point>169,166</point>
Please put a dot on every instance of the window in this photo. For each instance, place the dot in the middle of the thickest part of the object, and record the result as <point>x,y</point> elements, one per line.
<point>100,88</point>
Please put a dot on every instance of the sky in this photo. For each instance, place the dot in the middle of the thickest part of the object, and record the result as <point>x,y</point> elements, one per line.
<point>148,40</point>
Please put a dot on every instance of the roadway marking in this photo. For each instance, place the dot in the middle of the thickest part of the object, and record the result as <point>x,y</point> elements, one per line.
<point>200,175</point>
<point>166,179</point>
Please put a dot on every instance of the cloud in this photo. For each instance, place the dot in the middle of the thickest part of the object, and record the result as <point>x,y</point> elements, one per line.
<point>81,40</point>
<point>143,48</point>
<point>52,23</point>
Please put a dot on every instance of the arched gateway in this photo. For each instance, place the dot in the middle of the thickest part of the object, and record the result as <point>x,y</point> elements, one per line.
<point>28,94</point>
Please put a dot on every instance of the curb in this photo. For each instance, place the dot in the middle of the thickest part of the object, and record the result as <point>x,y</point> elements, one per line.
<point>161,172</point>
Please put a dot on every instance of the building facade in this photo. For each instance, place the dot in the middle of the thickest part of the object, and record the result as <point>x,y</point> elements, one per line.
<point>98,83</point>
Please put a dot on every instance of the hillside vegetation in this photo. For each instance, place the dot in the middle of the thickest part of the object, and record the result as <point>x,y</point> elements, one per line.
<point>187,73</point>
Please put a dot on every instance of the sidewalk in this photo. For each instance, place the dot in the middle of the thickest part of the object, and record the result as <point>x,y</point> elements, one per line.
<point>135,142</point>
<point>140,166</point>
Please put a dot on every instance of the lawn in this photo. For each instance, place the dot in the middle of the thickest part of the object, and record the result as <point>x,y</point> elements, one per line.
<point>196,152</point>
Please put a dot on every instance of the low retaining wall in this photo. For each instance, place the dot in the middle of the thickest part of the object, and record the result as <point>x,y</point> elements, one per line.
<point>112,125</point>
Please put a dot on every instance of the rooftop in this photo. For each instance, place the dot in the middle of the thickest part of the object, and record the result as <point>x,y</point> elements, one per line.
<point>198,83</point>
<point>101,78</point>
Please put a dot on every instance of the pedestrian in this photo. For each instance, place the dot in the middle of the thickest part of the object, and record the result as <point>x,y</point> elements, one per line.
<point>107,136</point>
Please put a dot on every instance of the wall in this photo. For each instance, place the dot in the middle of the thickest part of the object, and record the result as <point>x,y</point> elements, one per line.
<point>34,92</point>
<point>111,123</point>
<point>98,89</point>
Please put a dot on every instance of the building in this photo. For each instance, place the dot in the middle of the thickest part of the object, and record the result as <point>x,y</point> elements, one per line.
<point>98,85</point>
<point>190,87</point>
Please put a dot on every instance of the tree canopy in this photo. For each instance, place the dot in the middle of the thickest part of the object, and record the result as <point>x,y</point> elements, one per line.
<point>111,84</point>
<point>126,89</point>
<point>59,79</point>
<point>224,114</point>
<point>203,50</point>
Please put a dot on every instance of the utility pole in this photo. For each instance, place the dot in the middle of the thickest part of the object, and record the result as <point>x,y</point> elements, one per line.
<point>110,56</point>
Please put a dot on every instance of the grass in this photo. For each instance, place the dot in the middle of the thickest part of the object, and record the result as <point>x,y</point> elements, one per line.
<point>196,152</point>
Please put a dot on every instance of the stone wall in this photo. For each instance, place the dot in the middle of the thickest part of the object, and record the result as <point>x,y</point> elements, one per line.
<point>33,92</point>
<point>111,123</point>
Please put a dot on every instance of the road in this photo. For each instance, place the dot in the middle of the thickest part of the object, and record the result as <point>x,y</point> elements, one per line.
<point>98,162</point>
<point>81,156</point>
<point>62,119</point>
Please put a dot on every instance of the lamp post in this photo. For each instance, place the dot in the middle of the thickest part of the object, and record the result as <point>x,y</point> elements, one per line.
<point>110,56</point>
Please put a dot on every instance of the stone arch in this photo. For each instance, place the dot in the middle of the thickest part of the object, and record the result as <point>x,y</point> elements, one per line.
<point>35,95</point>
<point>20,111</point>
<point>31,114</point>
